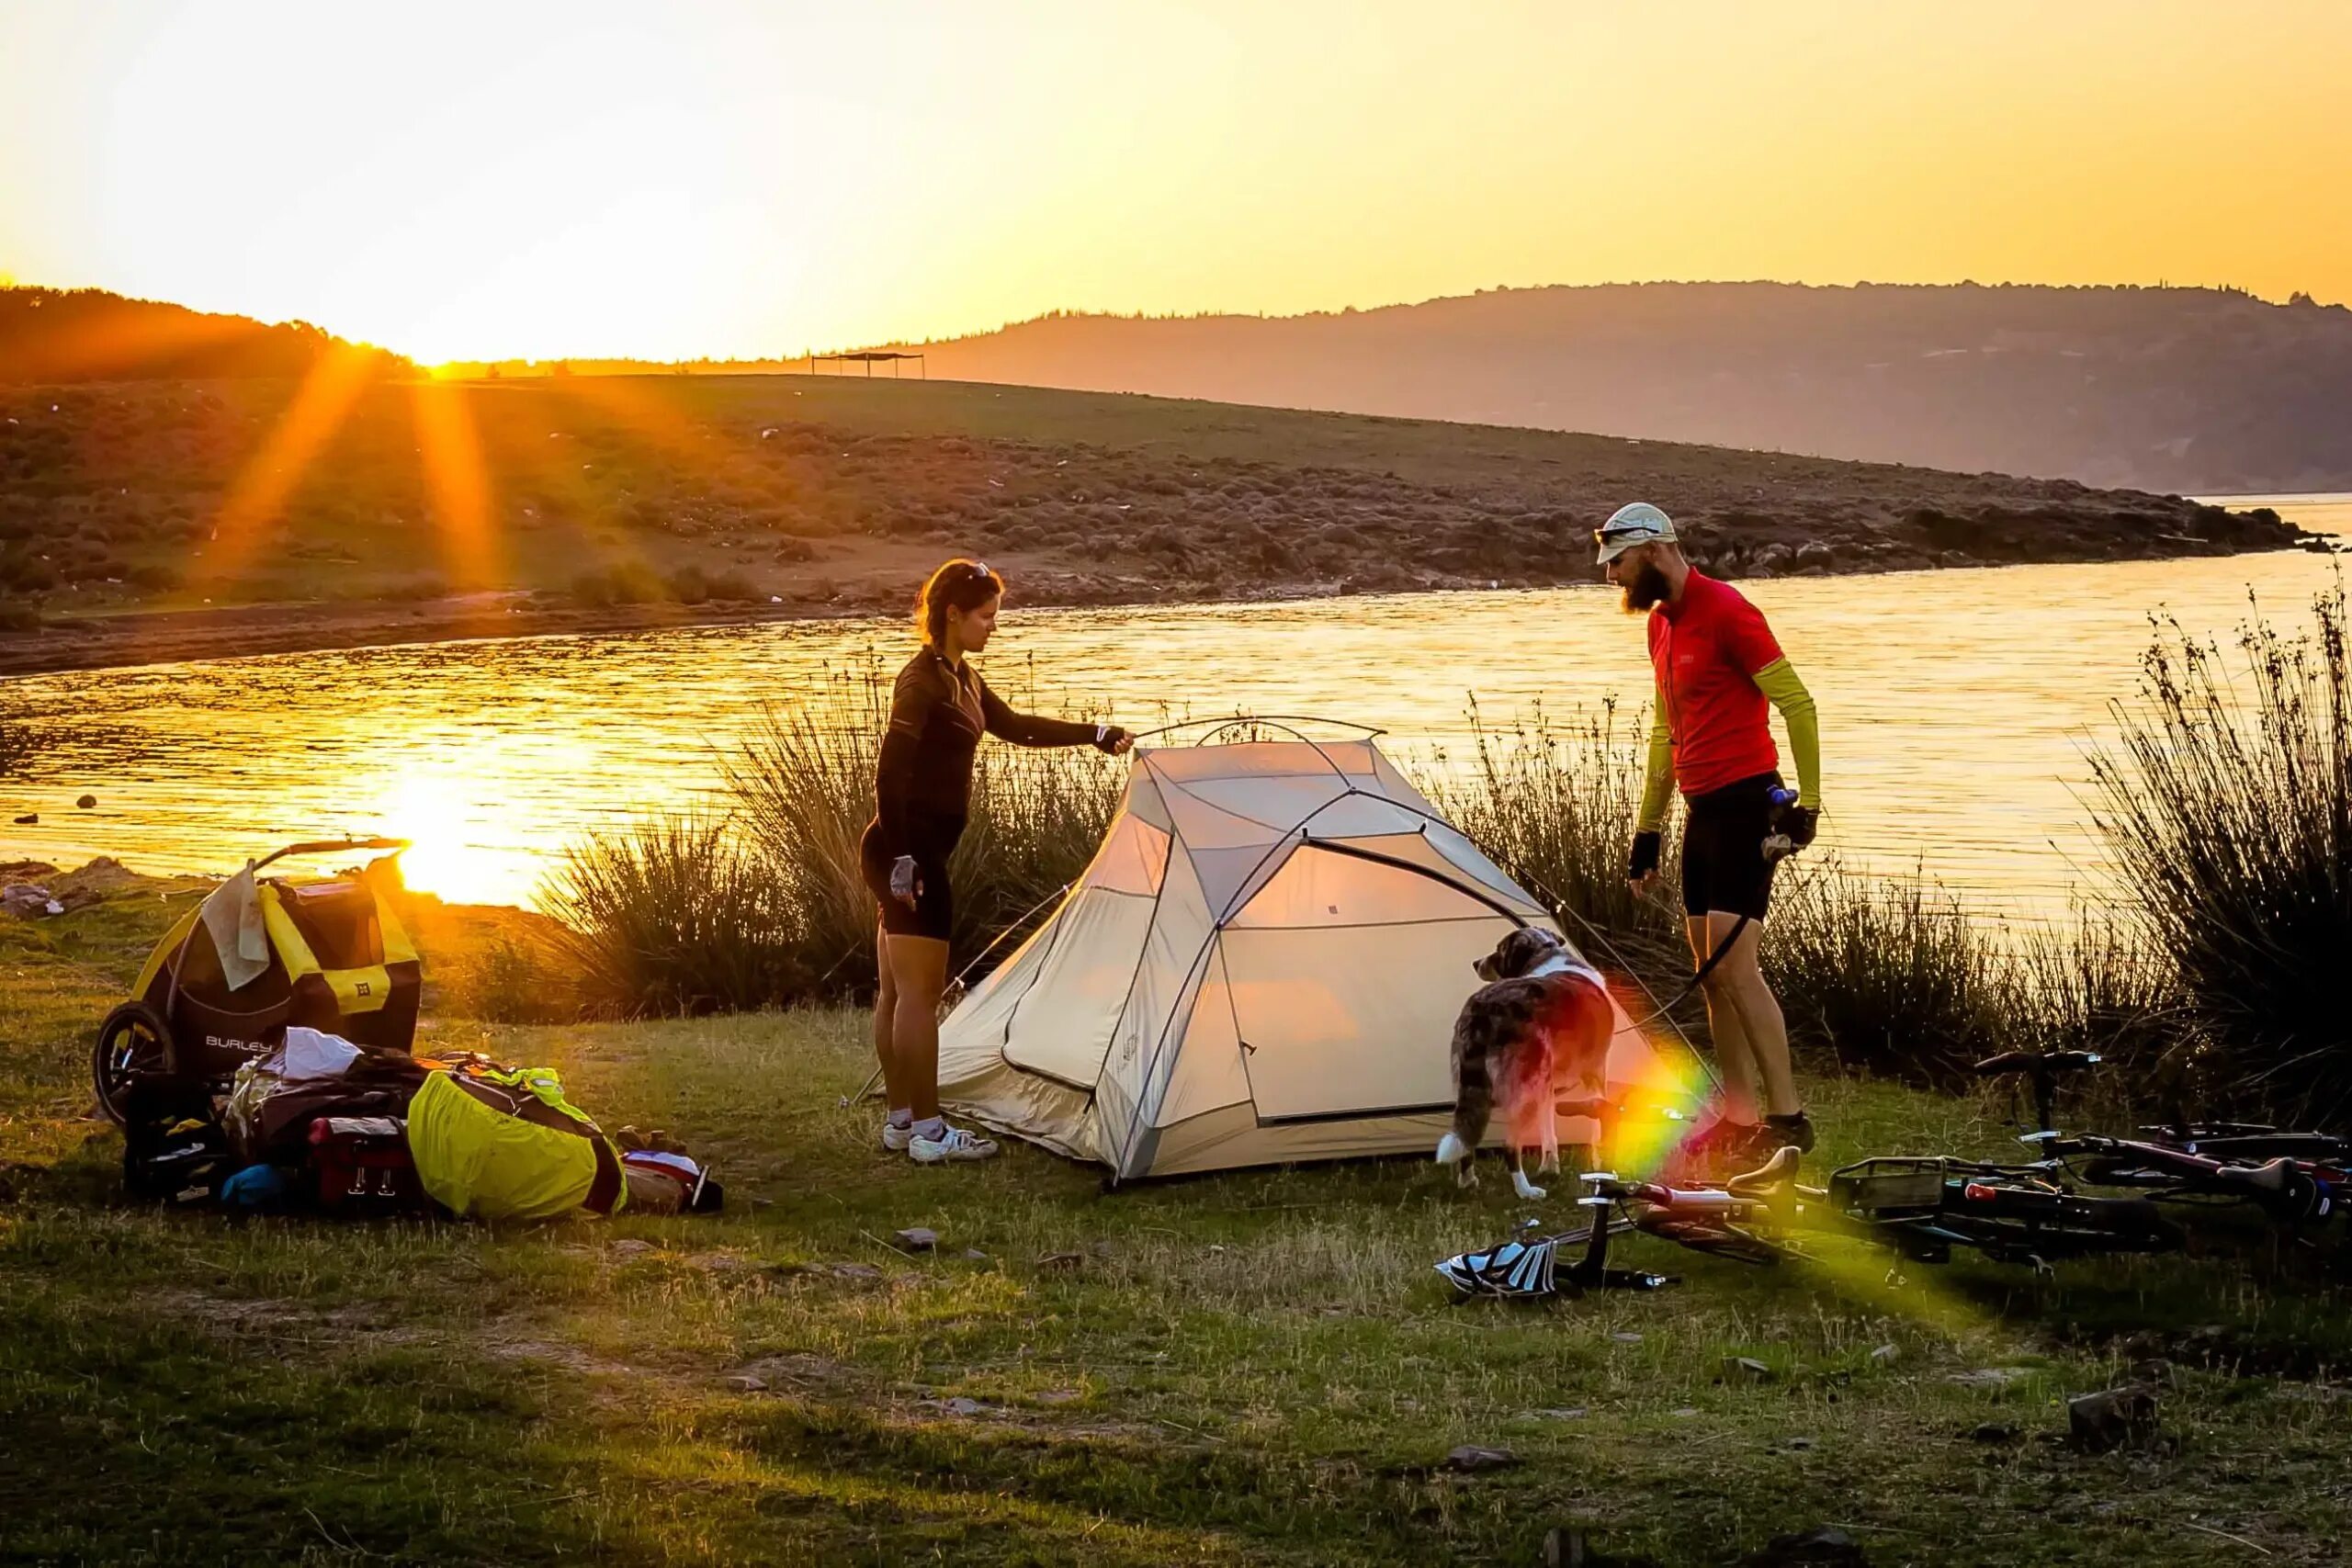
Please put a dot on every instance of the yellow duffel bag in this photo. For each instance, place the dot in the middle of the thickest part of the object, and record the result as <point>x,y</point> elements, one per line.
<point>497,1144</point>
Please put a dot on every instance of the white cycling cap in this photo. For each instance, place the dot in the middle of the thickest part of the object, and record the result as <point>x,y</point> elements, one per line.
<point>1637,524</point>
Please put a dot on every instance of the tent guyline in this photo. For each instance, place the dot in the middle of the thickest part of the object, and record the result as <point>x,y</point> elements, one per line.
<point>1261,964</point>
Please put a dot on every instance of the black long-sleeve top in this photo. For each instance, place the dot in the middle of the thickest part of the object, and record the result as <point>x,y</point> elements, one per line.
<point>938,713</point>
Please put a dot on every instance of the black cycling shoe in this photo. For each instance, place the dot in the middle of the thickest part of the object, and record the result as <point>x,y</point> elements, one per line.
<point>1788,1131</point>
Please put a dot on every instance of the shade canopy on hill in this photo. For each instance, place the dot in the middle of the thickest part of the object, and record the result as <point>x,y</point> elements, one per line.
<point>1261,964</point>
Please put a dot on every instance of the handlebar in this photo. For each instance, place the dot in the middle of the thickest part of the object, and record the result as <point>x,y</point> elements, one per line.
<point>332,846</point>
<point>2045,1067</point>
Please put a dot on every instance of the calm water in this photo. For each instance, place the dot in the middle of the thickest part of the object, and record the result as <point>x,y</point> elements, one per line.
<point>1956,710</point>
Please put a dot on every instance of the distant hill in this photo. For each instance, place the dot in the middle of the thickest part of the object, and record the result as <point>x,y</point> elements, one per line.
<point>54,336</point>
<point>2167,390</point>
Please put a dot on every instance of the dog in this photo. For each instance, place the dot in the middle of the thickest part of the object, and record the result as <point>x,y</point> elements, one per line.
<point>1542,1025</point>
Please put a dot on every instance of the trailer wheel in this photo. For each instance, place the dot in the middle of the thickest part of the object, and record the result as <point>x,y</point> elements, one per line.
<point>134,1041</point>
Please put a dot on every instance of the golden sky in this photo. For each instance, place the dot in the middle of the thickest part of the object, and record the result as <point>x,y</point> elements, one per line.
<point>731,177</point>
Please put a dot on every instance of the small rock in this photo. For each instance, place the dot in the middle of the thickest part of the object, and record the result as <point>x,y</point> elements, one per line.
<point>1746,1369</point>
<point>1990,1377</point>
<point>916,1238</point>
<point>962,1407</point>
<point>746,1383</point>
<point>1470,1459</point>
<point>1571,1413</point>
<point>1994,1432</point>
<point>1687,1411</point>
<point>2116,1418</point>
<point>1626,1339</point>
<point>1061,1261</point>
<point>1798,1445</point>
<point>974,1255</point>
<point>1885,1354</point>
<point>631,1247</point>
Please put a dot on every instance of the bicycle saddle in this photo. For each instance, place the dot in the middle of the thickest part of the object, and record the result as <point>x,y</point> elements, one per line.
<point>1768,1179</point>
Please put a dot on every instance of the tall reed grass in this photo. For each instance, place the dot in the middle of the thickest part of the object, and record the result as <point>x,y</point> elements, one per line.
<point>768,904</point>
<point>673,914</point>
<point>2227,803</point>
<point>1887,974</point>
<point>1553,802</point>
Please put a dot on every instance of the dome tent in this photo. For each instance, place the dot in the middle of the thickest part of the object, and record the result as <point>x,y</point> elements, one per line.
<point>1261,964</point>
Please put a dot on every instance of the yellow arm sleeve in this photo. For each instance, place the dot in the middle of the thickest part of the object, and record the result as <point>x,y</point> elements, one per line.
<point>1779,684</point>
<point>1658,772</point>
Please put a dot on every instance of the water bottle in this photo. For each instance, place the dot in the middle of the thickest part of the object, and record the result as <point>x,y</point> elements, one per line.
<point>1777,844</point>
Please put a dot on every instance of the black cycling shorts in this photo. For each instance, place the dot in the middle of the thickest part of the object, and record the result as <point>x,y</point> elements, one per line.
<point>933,839</point>
<point>1723,868</point>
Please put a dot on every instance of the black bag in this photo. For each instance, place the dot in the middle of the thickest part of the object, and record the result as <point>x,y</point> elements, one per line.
<point>175,1150</point>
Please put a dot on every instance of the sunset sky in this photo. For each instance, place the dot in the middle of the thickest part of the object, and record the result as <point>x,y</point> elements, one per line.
<point>491,179</point>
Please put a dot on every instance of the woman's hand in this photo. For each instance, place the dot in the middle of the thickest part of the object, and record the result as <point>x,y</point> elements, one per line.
<point>906,882</point>
<point>1111,740</point>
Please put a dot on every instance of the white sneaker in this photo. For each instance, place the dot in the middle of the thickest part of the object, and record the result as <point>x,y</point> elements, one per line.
<point>957,1144</point>
<point>896,1138</point>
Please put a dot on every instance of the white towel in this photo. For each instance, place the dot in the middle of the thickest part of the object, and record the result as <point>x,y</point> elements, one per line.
<point>231,913</point>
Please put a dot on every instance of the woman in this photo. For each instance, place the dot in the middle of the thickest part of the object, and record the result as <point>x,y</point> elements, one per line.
<point>921,791</point>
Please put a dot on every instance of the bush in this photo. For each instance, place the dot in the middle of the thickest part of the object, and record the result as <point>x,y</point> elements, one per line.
<point>693,585</point>
<point>629,582</point>
<point>517,982</point>
<point>1553,803</point>
<point>1888,975</point>
<point>2227,809</point>
<point>671,916</point>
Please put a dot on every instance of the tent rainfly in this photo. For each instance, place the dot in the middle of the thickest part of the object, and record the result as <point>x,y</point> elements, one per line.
<point>1261,964</point>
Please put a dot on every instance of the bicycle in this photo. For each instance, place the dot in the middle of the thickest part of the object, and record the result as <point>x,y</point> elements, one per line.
<point>1920,1208</point>
<point>2294,1176</point>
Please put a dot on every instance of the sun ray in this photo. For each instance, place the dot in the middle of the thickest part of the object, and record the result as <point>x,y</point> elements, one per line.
<point>459,486</point>
<point>255,498</point>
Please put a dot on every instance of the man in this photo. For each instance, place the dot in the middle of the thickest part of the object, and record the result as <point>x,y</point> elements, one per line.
<point>1716,665</point>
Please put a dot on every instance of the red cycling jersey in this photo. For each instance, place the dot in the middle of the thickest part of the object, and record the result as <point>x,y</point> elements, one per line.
<point>1705,648</point>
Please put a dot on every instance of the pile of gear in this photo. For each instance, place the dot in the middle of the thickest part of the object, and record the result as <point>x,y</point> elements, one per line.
<point>325,1125</point>
<point>263,1063</point>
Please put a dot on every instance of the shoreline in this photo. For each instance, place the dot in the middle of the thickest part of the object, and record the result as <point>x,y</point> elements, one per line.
<point>133,639</point>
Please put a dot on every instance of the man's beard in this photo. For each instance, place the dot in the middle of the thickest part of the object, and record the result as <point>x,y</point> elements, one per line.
<point>1648,590</point>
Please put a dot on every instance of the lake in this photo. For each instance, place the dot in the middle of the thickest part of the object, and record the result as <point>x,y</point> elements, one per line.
<point>1957,708</point>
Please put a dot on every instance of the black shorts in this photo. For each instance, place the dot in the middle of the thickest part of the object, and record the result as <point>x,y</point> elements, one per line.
<point>933,839</point>
<point>1724,866</point>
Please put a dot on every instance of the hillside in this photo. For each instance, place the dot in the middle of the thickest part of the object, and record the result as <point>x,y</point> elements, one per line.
<point>152,520</point>
<point>62,336</point>
<point>2171,390</point>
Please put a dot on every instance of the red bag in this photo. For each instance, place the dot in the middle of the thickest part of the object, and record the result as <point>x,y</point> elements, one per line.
<point>363,1168</point>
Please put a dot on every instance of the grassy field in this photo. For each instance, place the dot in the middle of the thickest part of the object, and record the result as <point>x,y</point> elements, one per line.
<point>1252,1368</point>
<point>453,508</point>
